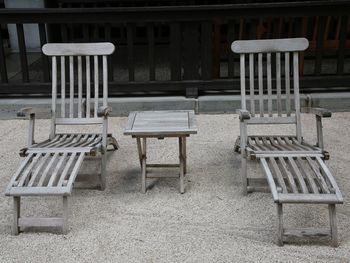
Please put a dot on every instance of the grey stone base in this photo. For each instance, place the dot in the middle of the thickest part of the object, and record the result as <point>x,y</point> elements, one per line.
<point>203,104</point>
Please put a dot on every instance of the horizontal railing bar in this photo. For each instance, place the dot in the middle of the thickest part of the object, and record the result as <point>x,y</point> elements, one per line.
<point>174,13</point>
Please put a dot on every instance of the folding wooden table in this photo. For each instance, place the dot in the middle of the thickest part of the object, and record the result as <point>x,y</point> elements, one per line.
<point>160,124</point>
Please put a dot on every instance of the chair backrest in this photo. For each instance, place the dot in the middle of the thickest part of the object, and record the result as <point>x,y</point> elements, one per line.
<point>273,77</point>
<point>78,105</point>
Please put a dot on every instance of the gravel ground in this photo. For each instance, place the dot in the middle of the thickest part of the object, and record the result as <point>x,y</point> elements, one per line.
<point>211,222</point>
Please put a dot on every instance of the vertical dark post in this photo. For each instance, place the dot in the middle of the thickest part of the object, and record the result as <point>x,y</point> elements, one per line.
<point>319,44</point>
<point>22,52</point>
<point>44,59</point>
<point>151,63</point>
<point>175,51</point>
<point>206,50</point>
<point>191,55</point>
<point>3,69</point>
<point>216,49</point>
<point>342,41</point>
<point>108,37</point>
<point>130,43</point>
<point>231,58</point>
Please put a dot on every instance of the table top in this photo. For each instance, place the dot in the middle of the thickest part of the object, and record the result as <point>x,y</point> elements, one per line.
<point>161,123</point>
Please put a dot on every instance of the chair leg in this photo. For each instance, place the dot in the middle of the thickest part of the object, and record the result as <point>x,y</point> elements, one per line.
<point>65,215</point>
<point>182,165</point>
<point>333,225</point>
<point>143,167</point>
<point>16,214</point>
<point>103,171</point>
<point>280,225</point>
<point>244,175</point>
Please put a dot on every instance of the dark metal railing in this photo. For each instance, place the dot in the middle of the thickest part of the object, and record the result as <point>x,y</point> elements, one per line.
<point>183,49</point>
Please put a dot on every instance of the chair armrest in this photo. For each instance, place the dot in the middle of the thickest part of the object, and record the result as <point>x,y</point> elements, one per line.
<point>243,114</point>
<point>25,112</point>
<point>321,112</point>
<point>104,111</point>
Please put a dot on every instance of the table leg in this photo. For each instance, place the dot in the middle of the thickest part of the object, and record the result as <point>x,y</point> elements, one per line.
<point>184,155</point>
<point>143,166</point>
<point>181,157</point>
<point>139,149</point>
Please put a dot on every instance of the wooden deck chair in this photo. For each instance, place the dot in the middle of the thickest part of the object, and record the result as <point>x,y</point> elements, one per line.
<point>295,170</point>
<point>50,167</point>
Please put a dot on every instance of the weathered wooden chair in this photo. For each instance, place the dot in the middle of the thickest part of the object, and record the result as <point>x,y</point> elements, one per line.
<point>50,167</point>
<point>295,170</point>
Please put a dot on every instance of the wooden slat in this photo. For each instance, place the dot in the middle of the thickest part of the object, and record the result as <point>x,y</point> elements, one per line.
<point>298,175</point>
<point>38,169</point>
<point>318,175</point>
<point>329,177</point>
<point>80,87</point>
<point>307,175</point>
<point>287,82</point>
<point>96,80</point>
<point>278,84</point>
<point>47,168</point>
<point>54,86</point>
<point>269,84</point>
<point>88,86</point>
<point>71,87</point>
<point>296,93</point>
<point>269,45</point>
<point>243,99</point>
<point>53,176</point>
<point>75,170</point>
<point>278,174</point>
<point>27,171</point>
<point>288,174</point>
<point>63,87</point>
<point>309,198</point>
<point>66,169</point>
<point>251,85</point>
<point>270,179</point>
<point>40,222</point>
<point>274,120</point>
<point>260,82</point>
<point>105,80</point>
<point>78,49</point>
<point>75,121</point>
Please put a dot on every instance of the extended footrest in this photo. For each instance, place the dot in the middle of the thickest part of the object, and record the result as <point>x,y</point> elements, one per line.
<point>44,174</point>
<point>302,179</point>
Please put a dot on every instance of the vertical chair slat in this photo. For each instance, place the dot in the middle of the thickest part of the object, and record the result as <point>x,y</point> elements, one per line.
<point>243,100</point>
<point>278,175</point>
<point>63,87</point>
<point>38,169</point>
<point>66,169</point>
<point>251,84</point>
<point>269,84</point>
<point>48,167</point>
<point>296,93</point>
<point>105,80</point>
<point>71,87</point>
<point>88,86</point>
<point>80,87</point>
<point>287,82</point>
<point>278,84</point>
<point>260,81</point>
<point>54,96</point>
<point>96,84</point>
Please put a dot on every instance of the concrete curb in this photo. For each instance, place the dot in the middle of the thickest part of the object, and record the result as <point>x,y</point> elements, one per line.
<point>211,104</point>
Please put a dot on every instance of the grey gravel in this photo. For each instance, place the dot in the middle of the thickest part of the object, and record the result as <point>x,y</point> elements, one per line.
<point>211,222</point>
